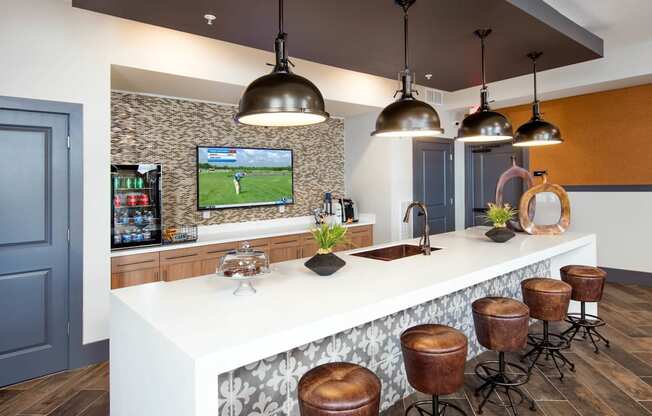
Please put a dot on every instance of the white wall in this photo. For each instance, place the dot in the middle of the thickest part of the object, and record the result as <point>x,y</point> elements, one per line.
<point>379,174</point>
<point>623,225</point>
<point>55,52</point>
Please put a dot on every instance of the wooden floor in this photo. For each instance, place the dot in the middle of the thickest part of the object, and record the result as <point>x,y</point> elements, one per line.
<point>616,382</point>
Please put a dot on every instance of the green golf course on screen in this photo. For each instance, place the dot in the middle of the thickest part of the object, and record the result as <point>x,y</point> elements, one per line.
<point>230,177</point>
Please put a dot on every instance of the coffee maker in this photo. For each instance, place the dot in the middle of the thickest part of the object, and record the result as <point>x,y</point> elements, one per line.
<point>349,210</point>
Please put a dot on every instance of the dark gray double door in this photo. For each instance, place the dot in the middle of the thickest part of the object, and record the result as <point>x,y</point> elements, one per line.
<point>34,263</point>
<point>433,183</point>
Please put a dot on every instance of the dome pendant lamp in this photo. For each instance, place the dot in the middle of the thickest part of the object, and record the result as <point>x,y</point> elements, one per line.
<point>407,116</point>
<point>281,98</point>
<point>536,132</point>
<point>484,125</point>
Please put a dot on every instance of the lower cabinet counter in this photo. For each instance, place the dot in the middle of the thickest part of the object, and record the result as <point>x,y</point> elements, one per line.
<point>183,263</point>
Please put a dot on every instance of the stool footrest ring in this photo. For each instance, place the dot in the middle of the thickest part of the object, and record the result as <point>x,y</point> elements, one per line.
<point>425,408</point>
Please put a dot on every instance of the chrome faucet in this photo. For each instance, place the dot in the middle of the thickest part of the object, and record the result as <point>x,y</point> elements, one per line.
<point>424,241</point>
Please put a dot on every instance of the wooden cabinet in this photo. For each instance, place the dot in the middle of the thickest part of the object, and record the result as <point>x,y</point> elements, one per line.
<point>309,246</point>
<point>180,264</point>
<point>285,248</point>
<point>134,270</point>
<point>210,256</point>
<point>360,236</point>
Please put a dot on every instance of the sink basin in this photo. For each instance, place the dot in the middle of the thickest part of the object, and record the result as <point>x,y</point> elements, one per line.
<point>392,252</point>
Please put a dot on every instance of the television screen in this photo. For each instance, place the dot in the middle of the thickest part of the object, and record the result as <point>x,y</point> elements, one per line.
<point>229,177</point>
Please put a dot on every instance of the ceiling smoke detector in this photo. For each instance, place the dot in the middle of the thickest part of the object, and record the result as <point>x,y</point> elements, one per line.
<point>209,19</point>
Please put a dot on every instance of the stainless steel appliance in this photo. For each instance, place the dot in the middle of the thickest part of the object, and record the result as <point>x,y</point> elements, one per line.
<point>349,210</point>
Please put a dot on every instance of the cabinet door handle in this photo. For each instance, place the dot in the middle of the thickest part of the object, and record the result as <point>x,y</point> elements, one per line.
<point>182,256</point>
<point>135,262</point>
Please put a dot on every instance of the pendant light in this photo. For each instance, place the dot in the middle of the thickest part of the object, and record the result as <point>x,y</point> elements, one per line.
<point>281,98</point>
<point>536,132</point>
<point>484,125</point>
<point>407,116</point>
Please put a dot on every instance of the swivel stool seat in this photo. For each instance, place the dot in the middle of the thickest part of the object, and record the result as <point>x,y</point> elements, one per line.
<point>434,357</point>
<point>548,300</point>
<point>588,285</point>
<point>341,389</point>
<point>501,324</point>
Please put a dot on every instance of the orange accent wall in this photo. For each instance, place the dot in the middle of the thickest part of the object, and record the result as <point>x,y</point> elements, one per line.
<point>607,137</point>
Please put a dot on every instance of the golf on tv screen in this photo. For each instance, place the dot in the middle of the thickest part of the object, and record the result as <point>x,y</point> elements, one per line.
<point>229,177</point>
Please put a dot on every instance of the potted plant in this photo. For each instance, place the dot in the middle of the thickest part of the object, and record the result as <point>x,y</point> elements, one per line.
<point>324,262</point>
<point>499,216</point>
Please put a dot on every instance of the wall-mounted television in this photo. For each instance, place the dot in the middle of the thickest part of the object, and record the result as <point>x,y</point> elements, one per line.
<point>232,177</point>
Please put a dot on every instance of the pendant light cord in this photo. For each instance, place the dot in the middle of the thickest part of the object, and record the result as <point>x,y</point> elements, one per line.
<point>405,38</point>
<point>282,62</point>
<point>536,113</point>
<point>484,100</point>
<point>280,16</point>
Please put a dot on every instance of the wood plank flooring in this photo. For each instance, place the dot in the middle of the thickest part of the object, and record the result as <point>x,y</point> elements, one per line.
<point>616,382</point>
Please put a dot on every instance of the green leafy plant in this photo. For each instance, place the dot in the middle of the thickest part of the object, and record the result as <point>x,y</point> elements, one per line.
<point>499,215</point>
<point>328,237</point>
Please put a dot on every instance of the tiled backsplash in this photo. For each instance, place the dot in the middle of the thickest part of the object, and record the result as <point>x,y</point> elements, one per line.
<point>164,130</point>
<point>269,387</point>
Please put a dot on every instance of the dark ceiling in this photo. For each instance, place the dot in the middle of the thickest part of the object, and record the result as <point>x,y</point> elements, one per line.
<point>366,35</point>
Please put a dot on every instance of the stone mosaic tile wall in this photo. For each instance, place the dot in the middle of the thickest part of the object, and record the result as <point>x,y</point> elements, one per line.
<point>269,387</point>
<point>167,131</point>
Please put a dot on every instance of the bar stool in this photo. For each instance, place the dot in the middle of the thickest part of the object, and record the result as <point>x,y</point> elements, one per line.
<point>342,389</point>
<point>548,300</point>
<point>434,357</point>
<point>501,324</point>
<point>588,284</point>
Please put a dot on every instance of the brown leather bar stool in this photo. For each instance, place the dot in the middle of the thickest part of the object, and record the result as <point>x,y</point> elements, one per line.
<point>588,284</point>
<point>501,324</point>
<point>434,357</point>
<point>341,389</point>
<point>548,300</point>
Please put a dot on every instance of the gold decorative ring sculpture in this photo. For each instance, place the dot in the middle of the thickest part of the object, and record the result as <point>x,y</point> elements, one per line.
<point>515,172</point>
<point>564,219</point>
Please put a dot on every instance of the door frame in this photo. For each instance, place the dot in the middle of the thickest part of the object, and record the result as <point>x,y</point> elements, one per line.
<point>78,354</point>
<point>468,182</point>
<point>450,164</point>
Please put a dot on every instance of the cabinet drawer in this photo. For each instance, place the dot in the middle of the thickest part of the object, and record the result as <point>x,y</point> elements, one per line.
<point>134,262</point>
<point>181,255</point>
<point>217,250</point>
<point>286,241</point>
<point>134,277</point>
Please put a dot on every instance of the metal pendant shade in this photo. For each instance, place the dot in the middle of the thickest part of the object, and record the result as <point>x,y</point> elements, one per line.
<point>407,116</point>
<point>281,98</point>
<point>536,132</point>
<point>484,125</point>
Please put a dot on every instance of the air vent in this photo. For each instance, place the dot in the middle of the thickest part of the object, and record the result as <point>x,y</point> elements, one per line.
<point>434,97</point>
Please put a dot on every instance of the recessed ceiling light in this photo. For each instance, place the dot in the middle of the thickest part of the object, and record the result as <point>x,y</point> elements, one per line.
<point>428,76</point>
<point>209,19</point>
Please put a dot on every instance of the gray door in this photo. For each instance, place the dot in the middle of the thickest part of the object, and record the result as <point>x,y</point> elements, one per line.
<point>33,244</point>
<point>484,165</point>
<point>434,184</point>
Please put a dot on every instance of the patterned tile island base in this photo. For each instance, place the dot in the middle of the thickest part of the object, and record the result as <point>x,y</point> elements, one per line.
<point>269,387</point>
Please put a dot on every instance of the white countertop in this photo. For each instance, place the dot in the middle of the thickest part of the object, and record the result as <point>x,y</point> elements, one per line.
<point>228,233</point>
<point>294,306</point>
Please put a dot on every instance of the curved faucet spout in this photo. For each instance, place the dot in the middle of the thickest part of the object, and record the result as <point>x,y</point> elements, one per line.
<point>424,241</point>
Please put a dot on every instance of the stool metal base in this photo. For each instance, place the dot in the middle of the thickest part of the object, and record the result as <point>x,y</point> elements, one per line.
<point>496,377</point>
<point>434,407</point>
<point>588,323</point>
<point>543,344</point>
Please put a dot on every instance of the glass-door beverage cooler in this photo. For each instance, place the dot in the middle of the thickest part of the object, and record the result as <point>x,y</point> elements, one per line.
<point>135,205</point>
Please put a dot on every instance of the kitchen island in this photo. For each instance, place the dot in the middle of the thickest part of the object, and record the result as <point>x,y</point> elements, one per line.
<point>192,348</point>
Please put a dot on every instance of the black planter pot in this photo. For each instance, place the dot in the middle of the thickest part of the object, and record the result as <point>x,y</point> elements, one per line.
<point>500,234</point>
<point>325,264</point>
